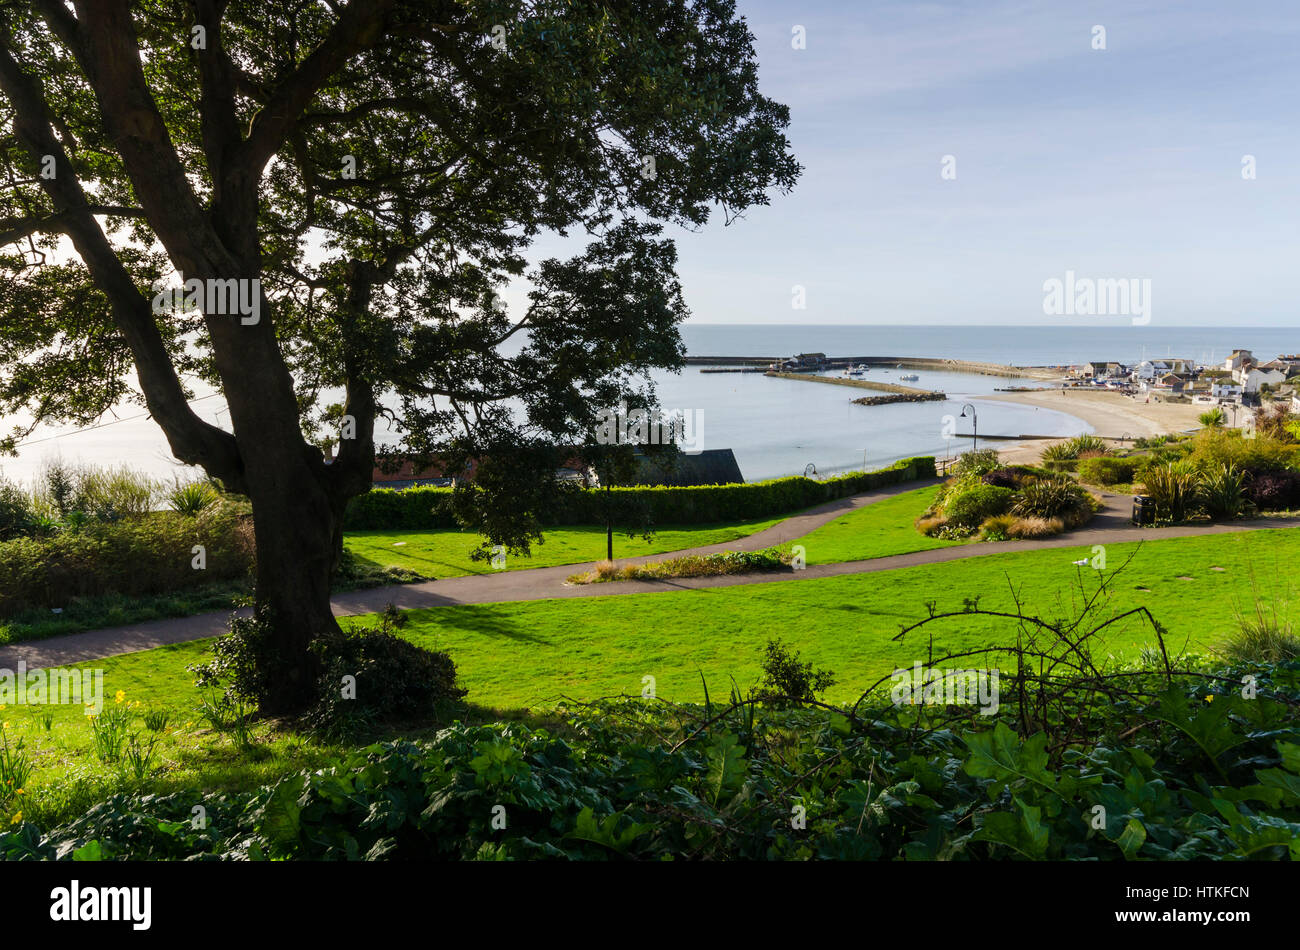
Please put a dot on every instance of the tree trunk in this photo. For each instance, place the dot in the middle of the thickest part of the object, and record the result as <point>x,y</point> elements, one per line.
<point>295,526</point>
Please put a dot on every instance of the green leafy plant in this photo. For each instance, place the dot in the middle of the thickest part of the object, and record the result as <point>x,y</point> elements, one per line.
<point>788,679</point>
<point>969,507</point>
<point>109,728</point>
<point>1173,489</point>
<point>191,498</point>
<point>1213,418</point>
<point>1222,493</point>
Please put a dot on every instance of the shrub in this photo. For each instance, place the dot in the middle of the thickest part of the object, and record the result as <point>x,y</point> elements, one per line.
<point>1215,448</point>
<point>1087,443</point>
<point>191,498</point>
<point>1271,491</point>
<point>1032,527</point>
<point>16,514</point>
<point>1053,498</point>
<point>971,506</point>
<point>786,679</point>
<point>1108,470</point>
<point>1059,452</point>
<point>138,556</point>
<point>1172,489</point>
<point>394,679</point>
<point>1277,423</point>
<point>102,494</point>
<point>997,528</point>
<point>1012,476</point>
<point>931,525</point>
<point>1223,493</point>
<point>977,463</point>
<point>1072,449</point>
<point>1213,418</point>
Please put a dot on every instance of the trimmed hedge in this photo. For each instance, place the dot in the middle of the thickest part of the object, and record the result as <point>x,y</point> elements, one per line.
<point>427,508</point>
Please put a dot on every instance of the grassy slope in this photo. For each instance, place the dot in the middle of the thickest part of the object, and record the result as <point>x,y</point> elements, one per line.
<point>528,653</point>
<point>446,553</point>
<point>877,530</point>
<point>532,653</point>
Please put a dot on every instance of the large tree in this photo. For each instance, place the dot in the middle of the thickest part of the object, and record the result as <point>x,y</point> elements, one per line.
<point>367,175</point>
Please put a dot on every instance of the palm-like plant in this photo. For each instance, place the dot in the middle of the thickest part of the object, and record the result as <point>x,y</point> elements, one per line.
<point>1172,489</point>
<point>1213,418</point>
<point>1223,492</point>
<point>192,498</point>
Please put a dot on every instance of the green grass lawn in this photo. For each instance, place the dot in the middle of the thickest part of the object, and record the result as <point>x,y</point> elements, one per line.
<point>523,654</point>
<point>876,530</point>
<point>533,654</point>
<point>447,553</point>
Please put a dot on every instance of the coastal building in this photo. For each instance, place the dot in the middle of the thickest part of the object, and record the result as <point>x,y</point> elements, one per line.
<point>1148,370</point>
<point>1100,368</point>
<point>1172,382</point>
<point>1225,389</point>
<point>1237,360</point>
<point>709,467</point>
<point>1287,365</point>
<point>1253,378</point>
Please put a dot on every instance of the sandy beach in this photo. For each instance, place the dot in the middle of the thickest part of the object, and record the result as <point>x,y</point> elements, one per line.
<point>1110,414</point>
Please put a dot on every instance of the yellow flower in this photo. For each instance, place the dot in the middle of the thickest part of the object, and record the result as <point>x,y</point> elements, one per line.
<point>18,816</point>
<point>20,791</point>
<point>1210,698</point>
<point>121,695</point>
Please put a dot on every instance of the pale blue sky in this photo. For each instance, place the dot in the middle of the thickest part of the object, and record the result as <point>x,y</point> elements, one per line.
<point>1122,163</point>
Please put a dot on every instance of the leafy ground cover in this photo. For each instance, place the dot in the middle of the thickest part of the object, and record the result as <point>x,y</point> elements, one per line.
<point>1186,769</point>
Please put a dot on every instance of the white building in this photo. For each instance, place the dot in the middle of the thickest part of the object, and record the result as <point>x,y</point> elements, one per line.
<point>1251,379</point>
<point>1223,389</point>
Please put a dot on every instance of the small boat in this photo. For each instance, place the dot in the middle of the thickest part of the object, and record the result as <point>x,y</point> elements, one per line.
<point>909,377</point>
<point>858,371</point>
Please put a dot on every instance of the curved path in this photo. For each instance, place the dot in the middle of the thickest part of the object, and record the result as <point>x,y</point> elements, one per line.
<point>1110,526</point>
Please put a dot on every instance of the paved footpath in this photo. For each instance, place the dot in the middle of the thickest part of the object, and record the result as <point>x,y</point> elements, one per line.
<point>1111,526</point>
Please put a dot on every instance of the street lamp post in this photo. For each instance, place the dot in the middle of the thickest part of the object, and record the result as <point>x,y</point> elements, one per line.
<point>975,426</point>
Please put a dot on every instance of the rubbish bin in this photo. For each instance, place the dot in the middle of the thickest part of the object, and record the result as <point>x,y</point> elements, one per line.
<point>1143,511</point>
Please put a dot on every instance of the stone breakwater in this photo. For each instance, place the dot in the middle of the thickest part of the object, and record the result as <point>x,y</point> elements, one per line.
<point>857,384</point>
<point>900,397</point>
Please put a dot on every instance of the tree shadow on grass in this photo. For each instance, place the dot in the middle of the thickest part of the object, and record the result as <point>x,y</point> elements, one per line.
<point>485,620</point>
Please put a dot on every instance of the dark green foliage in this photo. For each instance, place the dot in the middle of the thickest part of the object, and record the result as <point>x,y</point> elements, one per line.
<point>430,508</point>
<point>969,507</point>
<point>16,514</point>
<point>1012,476</point>
<point>1053,498</point>
<point>1178,776</point>
<point>394,680</point>
<point>977,463</point>
<point>133,556</point>
<point>364,676</point>
<point>1107,470</point>
<point>788,680</point>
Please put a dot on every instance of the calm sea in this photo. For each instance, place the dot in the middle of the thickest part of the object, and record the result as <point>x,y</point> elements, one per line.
<point>778,427</point>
